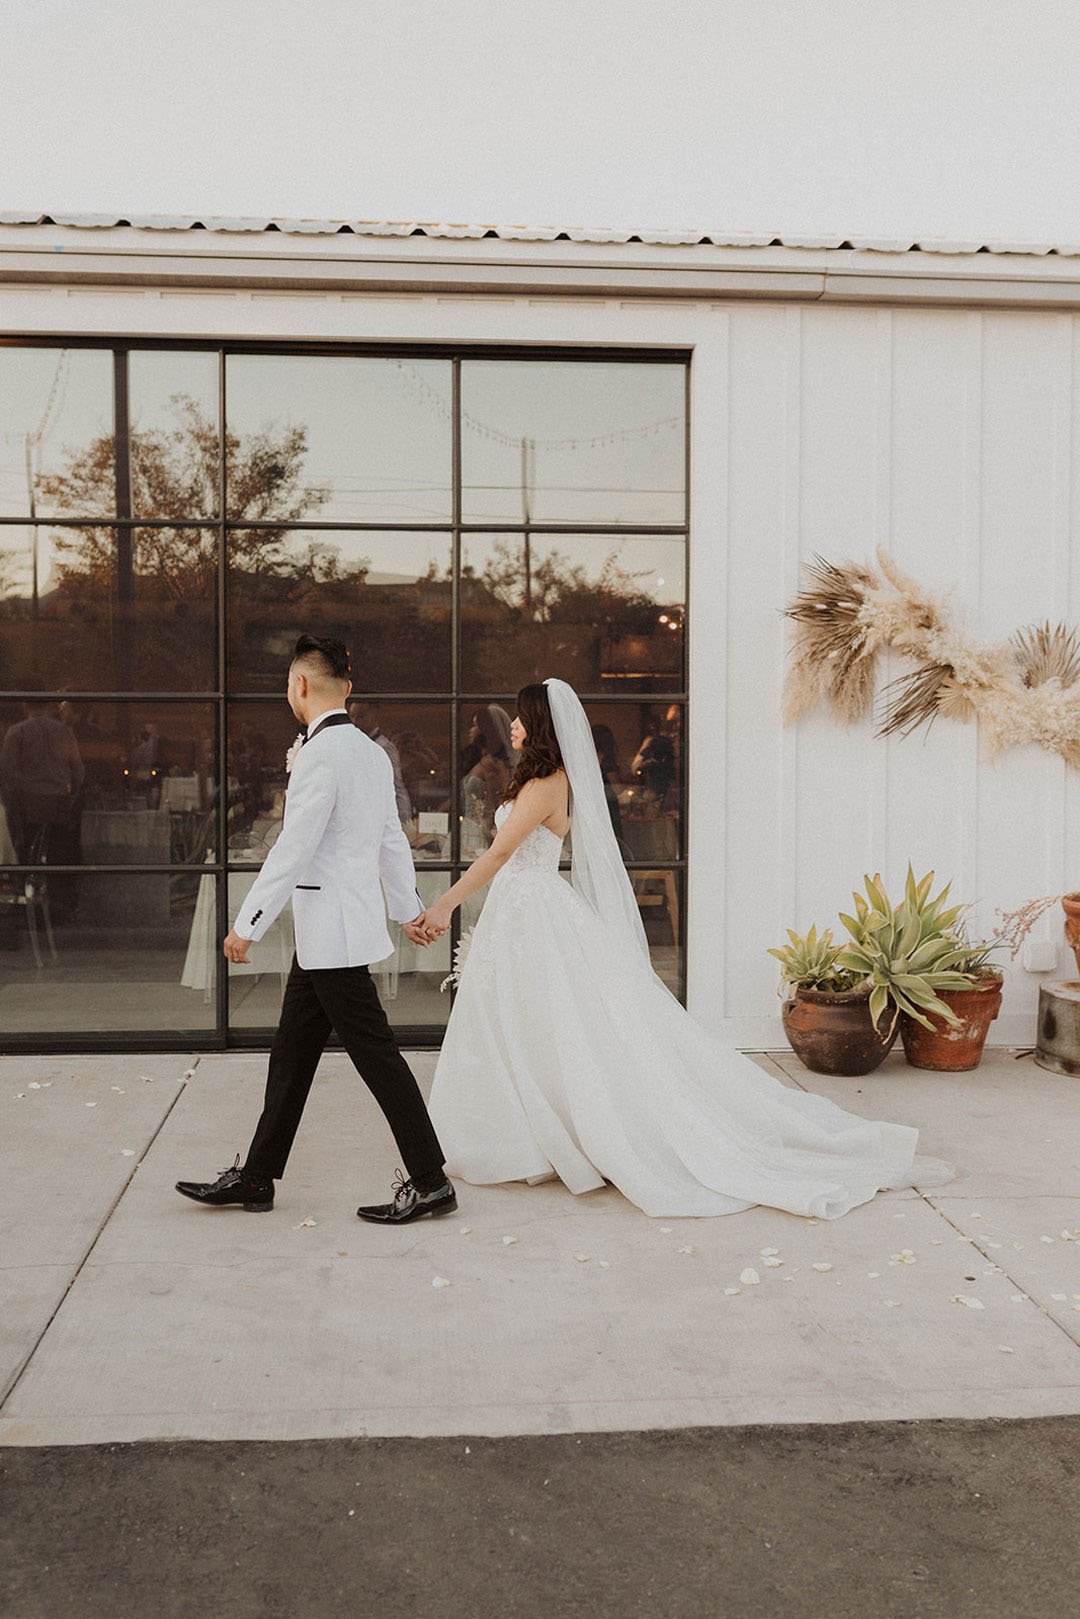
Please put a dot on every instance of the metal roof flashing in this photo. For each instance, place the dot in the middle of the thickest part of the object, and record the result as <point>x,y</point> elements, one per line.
<point>379,255</point>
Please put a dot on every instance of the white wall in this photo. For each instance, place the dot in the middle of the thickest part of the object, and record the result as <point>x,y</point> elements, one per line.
<point>944,118</point>
<point>950,438</point>
<point>948,434</point>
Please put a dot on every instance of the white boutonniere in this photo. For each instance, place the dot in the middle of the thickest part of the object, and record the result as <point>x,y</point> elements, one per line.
<point>461,956</point>
<point>290,757</point>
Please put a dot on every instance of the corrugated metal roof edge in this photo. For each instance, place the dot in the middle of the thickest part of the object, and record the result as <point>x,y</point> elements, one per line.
<point>531,233</point>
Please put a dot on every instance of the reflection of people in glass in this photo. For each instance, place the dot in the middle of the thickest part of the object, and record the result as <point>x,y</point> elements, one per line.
<point>487,765</point>
<point>604,740</point>
<point>365,717</point>
<point>41,772</point>
<point>654,768</point>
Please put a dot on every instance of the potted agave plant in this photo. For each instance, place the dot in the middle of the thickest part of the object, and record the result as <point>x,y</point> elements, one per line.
<point>827,1016</point>
<point>941,990</point>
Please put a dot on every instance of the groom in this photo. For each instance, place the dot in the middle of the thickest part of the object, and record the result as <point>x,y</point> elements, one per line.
<point>340,836</point>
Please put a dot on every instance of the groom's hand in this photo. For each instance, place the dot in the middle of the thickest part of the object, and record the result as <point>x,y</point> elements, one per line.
<point>235,948</point>
<point>414,930</point>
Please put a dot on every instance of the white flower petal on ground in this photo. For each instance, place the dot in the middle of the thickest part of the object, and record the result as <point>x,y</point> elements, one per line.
<point>665,1231</point>
<point>34,1085</point>
<point>820,1264</point>
<point>935,1242</point>
<point>91,1104</point>
<point>874,1275</point>
<point>729,1292</point>
<point>968,1301</point>
<point>1046,1239</point>
<point>766,1252</point>
<point>127,1152</point>
<point>687,1248</point>
<point>465,1230</point>
<point>508,1240</point>
<point>1005,1349</point>
<point>583,1259</point>
<point>440,1281</point>
<point>303,1223</point>
<point>892,1304</point>
<point>1016,1298</point>
<point>118,1088</point>
<point>1059,1298</point>
<point>605,1264</point>
<point>749,1277</point>
<point>774,1264</point>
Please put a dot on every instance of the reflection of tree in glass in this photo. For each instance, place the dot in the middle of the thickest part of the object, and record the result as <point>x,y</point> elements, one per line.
<point>524,613</point>
<point>557,588</point>
<point>109,583</point>
<point>177,474</point>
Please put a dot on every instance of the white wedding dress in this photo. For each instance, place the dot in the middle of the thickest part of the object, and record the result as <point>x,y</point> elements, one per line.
<point>565,1052</point>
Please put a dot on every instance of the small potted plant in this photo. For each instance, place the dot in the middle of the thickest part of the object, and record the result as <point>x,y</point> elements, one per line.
<point>909,953</point>
<point>827,1018</point>
<point>954,1048</point>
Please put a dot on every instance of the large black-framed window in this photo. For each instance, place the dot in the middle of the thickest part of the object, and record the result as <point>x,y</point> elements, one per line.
<point>173,514</point>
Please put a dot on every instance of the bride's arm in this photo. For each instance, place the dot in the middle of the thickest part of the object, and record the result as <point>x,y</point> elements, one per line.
<point>537,800</point>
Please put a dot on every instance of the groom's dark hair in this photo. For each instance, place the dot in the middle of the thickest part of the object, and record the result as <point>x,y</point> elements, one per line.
<point>325,654</point>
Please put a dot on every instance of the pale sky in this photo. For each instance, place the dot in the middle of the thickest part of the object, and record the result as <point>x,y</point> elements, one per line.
<point>932,117</point>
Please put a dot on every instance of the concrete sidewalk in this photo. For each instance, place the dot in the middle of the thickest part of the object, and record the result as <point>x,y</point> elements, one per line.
<point>128,1313</point>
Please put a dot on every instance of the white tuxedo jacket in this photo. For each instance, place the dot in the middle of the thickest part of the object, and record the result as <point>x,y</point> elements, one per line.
<point>340,837</point>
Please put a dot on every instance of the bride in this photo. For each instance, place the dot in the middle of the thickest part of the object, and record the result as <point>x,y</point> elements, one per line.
<point>565,1052</point>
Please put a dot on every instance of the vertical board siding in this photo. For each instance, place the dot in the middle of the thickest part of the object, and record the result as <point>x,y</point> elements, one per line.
<point>950,437</point>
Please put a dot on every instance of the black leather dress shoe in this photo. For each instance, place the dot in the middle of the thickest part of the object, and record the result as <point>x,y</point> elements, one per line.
<point>235,1185</point>
<point>409,1204</point>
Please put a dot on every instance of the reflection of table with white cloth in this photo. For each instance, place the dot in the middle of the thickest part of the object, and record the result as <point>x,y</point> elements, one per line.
<point>271,954</point>
<point>274,951</point>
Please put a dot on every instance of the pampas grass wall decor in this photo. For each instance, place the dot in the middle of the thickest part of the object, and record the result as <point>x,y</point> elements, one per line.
<point>1025,690</point>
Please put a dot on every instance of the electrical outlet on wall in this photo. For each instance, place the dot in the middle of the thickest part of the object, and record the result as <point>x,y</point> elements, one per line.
<point>1040,956</point>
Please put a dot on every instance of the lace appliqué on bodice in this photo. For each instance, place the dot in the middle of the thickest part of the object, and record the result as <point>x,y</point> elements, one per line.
<point>540,851</point>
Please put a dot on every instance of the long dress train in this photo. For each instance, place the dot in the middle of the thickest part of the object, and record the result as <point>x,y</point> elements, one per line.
<point>559,1056</point>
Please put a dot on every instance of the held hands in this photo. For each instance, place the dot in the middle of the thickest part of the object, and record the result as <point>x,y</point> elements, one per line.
<point>429,925</point>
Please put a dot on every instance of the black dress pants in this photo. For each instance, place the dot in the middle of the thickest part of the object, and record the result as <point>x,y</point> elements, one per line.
<point>345,999</point>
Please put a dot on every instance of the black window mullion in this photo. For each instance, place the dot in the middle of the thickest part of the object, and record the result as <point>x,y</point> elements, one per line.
<point>221,977</point>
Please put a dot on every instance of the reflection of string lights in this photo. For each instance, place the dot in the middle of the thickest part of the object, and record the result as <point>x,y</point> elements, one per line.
<point>621,435</point>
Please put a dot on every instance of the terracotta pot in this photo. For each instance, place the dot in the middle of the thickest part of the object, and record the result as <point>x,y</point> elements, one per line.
<point>1070,904</point>
<point>953,1048</point>
<point>831,1033</point>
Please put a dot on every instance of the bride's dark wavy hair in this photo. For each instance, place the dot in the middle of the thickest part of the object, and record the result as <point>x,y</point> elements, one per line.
<point>540,754</point>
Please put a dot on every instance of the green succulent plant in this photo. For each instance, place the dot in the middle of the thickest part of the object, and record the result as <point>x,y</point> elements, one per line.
<point>809,962</point>
<point>908,952</point>
<point>976,957</point>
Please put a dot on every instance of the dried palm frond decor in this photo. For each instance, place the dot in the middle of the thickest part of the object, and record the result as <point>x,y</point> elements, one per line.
<point>1026,690</point>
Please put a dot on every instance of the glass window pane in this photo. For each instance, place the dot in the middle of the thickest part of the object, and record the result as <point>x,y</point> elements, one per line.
<point>640,750</point>
<point>387,595</point>
<point>56,433</point>
<point>486,764</point>
<point>120,956</point>
<point>175,447</point>
<point>340,439</point>
<point>572,441</point>
<point>407,981</point>
<point>415,735</point>
<point>106,784</point>
<point>106,609</point>
<point>605,612</point>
